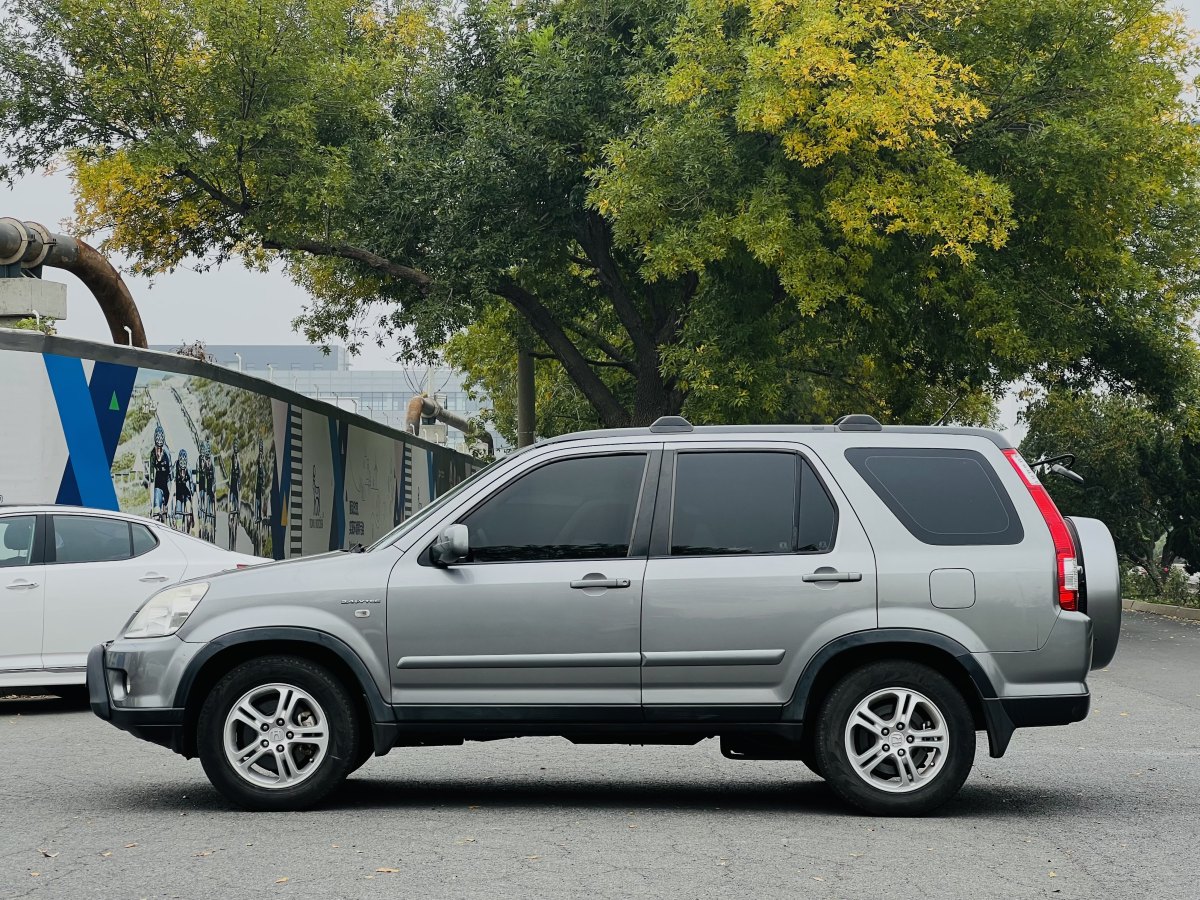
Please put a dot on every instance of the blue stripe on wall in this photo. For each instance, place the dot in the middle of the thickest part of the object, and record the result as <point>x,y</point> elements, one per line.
<point>111,381</point>
<point>88,463</point>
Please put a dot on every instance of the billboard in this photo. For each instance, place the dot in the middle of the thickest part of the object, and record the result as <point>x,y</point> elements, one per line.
<point>230,459</point>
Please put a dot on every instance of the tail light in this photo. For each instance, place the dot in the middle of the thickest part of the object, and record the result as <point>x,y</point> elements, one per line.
<point>1064,547</point>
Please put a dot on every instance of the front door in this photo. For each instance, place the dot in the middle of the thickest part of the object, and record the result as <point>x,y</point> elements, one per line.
<point>756,561</point>
<point>546,609</point>
<point>22,588</point>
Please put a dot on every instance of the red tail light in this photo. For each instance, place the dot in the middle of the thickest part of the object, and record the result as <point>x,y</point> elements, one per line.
<point>1064,547</point>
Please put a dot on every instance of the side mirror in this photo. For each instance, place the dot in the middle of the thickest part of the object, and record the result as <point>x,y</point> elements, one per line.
<point>451,546</point>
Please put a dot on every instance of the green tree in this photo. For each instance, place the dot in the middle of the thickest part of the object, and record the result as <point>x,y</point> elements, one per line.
<point>738,209</point>
<point>1141,471</point>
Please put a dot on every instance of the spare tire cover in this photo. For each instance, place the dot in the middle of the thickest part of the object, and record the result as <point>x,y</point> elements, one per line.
<point>1099,586</point>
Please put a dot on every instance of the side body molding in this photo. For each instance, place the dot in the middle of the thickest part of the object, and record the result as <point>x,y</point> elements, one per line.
<point>999,726</point>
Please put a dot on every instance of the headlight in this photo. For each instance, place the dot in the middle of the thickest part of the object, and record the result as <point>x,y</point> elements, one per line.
<point>165,612</point>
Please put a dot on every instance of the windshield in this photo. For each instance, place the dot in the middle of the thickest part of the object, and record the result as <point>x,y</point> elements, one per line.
<point>419,517</point>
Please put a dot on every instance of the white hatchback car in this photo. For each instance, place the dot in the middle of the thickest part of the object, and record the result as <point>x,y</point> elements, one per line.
<point>70,577</point>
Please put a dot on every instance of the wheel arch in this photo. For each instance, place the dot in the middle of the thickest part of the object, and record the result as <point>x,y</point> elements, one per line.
<point>222,654</point>
<point>944,654</point>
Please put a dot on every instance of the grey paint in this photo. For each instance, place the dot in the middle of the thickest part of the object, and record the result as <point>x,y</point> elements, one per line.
<point>687,631</point>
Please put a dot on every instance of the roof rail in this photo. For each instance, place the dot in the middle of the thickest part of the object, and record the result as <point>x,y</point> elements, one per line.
<point>858,422</point>
<point>670,424</point>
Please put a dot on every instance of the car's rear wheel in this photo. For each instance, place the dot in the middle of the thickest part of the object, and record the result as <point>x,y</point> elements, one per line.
<point>278,733</point>
<point>895,738</point>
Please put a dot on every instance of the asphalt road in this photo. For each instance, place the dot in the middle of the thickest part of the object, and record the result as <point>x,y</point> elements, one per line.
<point>1107,808</point>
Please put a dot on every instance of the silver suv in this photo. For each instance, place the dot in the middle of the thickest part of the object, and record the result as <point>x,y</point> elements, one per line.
<point>860,598</point>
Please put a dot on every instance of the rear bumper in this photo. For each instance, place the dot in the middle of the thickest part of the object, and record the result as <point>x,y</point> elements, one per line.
<point>163,726</point>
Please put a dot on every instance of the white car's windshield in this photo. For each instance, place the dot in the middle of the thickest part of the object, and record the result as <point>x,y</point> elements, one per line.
<point>419,517</point>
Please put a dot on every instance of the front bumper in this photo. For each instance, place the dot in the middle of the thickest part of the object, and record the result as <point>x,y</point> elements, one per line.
<point>163,726</point>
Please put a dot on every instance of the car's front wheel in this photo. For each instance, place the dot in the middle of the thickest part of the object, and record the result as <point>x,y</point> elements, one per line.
<point>277,733</point>
<point>895,738</point>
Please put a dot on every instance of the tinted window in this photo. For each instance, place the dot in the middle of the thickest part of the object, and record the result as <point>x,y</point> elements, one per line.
<point>16,540</point>
<point>143,540</point>
<point>571,509</point>
<point>818,516</point>
<point>735,502</point>
<point>87,539</point>
<point>949,497</point>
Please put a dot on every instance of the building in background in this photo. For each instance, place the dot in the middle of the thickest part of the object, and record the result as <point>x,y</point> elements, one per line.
<point>379,394</point>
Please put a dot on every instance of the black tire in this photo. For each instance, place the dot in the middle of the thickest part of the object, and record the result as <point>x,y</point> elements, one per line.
<point>341,721</point>
<point>833,757</point>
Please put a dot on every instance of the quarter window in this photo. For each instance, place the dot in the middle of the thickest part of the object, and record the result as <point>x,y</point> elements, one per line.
<point>735,502</point>
<point>943,497</point>
<point>143,540</point>
<point>570,509</point>
<point>80,539</point>
<point>16,540</point>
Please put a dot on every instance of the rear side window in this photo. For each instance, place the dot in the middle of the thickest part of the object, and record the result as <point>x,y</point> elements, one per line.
<point>741,502</point>
<point>945,497</point>
<point>80,539</point>
<point>143,540</point>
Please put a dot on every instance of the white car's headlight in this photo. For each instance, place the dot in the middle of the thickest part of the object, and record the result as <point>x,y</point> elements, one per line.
<point>165,612</point>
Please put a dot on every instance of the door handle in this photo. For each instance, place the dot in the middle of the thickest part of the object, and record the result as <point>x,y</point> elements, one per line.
<point>600,583</point>
<point>151,576</point>
<point>22,585</point>
<point>833,576</point>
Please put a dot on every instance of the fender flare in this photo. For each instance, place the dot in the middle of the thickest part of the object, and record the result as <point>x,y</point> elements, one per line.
<point>997,723</point>
<point>381,712</point>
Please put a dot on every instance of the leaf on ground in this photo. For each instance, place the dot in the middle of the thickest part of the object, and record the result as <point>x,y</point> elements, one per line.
<point>817,878</point>
<point>34,874</point>
<point>283,880</point>
<point>130,846</point>
<point>532,858</point>
<point>388,871</point>
<point>205,853</point>
<point>106,853</point>
<point>1053,875</point>
<point>465,840</point>
<point>47,853</point>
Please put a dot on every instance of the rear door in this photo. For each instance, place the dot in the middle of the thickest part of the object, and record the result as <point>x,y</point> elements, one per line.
<point>22,589</point>
<point>99,569</point>
<point>756,561</point>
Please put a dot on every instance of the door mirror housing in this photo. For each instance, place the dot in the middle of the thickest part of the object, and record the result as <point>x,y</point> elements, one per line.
<point>451,546</point>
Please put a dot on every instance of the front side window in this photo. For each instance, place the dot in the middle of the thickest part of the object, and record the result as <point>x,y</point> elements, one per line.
<point>570,509</point>
<point>738,502</point>
<point>80,539</point>
<point>16,540</point>
<point>943,497</point>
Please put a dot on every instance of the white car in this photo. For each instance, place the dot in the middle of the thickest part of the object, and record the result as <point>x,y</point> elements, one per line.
<point>71,577</point>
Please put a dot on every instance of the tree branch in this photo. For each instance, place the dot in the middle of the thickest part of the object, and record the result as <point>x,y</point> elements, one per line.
<point>357,254</point>
<point>611,412</point>
<point>590,362</point>
<point>596,241</point>
<point>608,348</point>
<point>212,190</point>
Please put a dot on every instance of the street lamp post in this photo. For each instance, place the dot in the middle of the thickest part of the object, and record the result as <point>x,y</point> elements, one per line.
<point>239,359</point>
<point>271,372</point>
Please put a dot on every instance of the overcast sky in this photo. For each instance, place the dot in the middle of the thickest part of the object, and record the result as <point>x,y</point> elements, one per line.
<point>225,306</point>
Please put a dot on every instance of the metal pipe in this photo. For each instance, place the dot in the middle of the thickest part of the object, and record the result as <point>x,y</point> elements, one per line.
<point>34,245</point>
<point>426,406</point>
<point>526,416</point>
